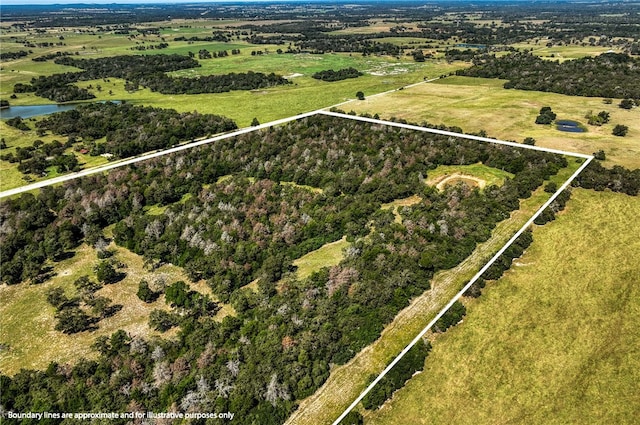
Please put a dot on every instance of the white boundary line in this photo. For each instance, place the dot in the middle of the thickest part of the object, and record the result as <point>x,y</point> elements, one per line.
<point>453,134</point>
<point>245,130</point>
<point>144,157</point>
<point>488,264</point>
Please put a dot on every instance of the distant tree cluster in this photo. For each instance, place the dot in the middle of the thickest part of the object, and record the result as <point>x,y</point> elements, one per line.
<point>35,159</point>
<point>13,55</point>
<point>83,311</point>
<point>142,70</point>
<point>50,56</point>
<point>18,122</point>
<point>546,116</point>
<point>212,83</point>
<point>131,130</point>
<point>620,130</point>
<point>616,179</point>
<point>601,118</point>
<point>612,75</point>
<point>355,43</point>
<point>341,74</point>
<point>465,55</point>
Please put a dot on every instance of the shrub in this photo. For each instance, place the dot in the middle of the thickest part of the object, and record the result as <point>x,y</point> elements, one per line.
<point>620,130</point>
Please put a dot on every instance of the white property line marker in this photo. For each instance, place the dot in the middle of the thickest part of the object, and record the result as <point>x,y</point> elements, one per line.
<point>144,157</point>
<point>489,263</point>
<point>245,130</point>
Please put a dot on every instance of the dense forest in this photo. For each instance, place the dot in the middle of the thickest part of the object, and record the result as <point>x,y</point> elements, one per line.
<point>142,70</point>
<point>252,225</point>
<point>611,75</point>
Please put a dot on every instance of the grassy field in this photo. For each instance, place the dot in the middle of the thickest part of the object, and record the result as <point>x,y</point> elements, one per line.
<point>566,52</point>
<point>394,206</point>
<point>475,104</point>
<point>347,381</point>
<point>327,255</point>
<point>478,174</point>
<point>555,341</point>
<point>27,320</point>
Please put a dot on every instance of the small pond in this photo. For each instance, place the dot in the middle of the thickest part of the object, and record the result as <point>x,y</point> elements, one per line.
<point>570,126</point>
<point>38,110</point>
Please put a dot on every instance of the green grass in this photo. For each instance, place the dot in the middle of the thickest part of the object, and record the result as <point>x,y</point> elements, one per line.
<point>10,177</point>
<point>346,382</point>
<point>160,209</point>
<point>399,203</point>
<point>476,174</point>
<point>566,52</point>
<point>476,104</point>
<point>27,320</point>
<point>554,341</point>
<point>327,255</point>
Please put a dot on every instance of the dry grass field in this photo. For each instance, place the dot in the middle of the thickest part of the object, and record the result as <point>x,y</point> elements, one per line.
<point>27,320</point>
<point>476,104</point>
<point>554,341</point>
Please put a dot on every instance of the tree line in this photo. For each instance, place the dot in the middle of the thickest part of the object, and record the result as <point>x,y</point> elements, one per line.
<point>609,75</point>
<point>129,129</point>
<point>142,70</point>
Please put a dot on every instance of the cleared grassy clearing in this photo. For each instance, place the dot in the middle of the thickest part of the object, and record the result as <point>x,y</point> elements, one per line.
<point>27,320</point>
<point>477,173</point>
<point>476,104</point>
<point>10,177</point>
<point>562,53</point>
<point>399,203</point>
<point>346,382</point>
<point>327,255</point>
<point>554,341</point>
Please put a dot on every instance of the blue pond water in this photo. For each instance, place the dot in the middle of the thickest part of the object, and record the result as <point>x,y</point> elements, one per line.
<point>37,110</point>
<point>569,126</point>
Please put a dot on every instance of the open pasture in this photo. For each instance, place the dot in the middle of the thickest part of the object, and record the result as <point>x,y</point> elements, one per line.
<point>476,104</point>
<point>553,341</point>
<point>27,320</point>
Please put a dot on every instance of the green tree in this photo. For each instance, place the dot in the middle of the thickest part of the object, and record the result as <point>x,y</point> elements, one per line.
<point>352,418</point>
<point>551,187</point>
<point>626,104</point>
<point>72,320</point>
<point>162,320</point>
<point>255,122</point>
<point>360,95</point>
<point>620,130</point>
<point>57,298</point>
<point>145,293</point>
<point>106,273</point>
